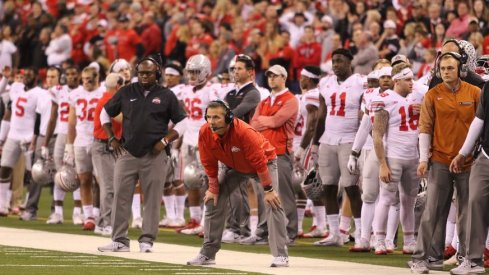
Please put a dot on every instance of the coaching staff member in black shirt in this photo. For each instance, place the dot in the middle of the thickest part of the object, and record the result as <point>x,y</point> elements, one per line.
<point>147,108</point>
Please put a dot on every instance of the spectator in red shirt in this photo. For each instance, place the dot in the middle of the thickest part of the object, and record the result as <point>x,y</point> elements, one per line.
<point>151,35</point>
<point>307,53</point>
<point>199,36</point>
<point>129,43</point>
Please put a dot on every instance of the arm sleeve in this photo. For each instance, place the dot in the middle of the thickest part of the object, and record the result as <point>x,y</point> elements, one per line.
<point>249,102</point>
<point>427,115</point>
<point>424,146</point>
<point>475,131</point>
<point>104,117</point>
<point>177,113</point>
<point>480,107</point>
<point>362,134</point>
<point>181,126</point>
<point>255,154</point>
<point>114,106</point>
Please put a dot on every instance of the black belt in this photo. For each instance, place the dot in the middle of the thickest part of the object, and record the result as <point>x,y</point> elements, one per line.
<point>53,136</point>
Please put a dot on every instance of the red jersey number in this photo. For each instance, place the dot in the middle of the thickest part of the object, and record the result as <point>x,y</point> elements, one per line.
<point>299,126</point>
<point>64,111</point>
<point>334,103</point>
<point>413,119</point>
<point>87,108</point>
<point>20,106</point>
<point>193,108</point>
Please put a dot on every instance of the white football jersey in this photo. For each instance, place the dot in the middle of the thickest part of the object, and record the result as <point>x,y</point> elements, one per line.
<point>343,105</point>
<point>264,92</point>
<point>401,137</point>
<point>60,96</point>
<point>177,90</point>
<point>221,90</point>
<point>368,95</point>
<point>24,104</point>
<point>84,103</point>
<point>310,97</point>
<point>195,105</point>
<point>44,104</point>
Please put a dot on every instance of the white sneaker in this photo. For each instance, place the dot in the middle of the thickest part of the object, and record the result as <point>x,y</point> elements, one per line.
<point>178,222</point>
<point>280,261</point>
<point>201,260</point>
<point>345,236</point>
<point>380,248</point>
<point>99,230</point>
<point>390,246</point>
<point>55,218</point>
<point>361,246</point>
<point>28,216</point>
<point>137,223</point>
<point>316,232</point>
<point>451,261</point>
<point>253,240</point>
<point>193,231</point>
<point>145,247</point>
<point>409,248</point>
<point>468,267</point>
<point>107,231</point>
<point>164,222</point>
<point>230,237</point>
<point>331,240</point>
<point>419,267</point>
<point>114,247</point>
<point>77,219</point>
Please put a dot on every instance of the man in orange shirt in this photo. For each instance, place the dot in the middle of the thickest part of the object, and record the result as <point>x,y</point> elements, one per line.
<point>275,118</point>
<point>244,153</point>
<point>446,114</point>
<point>102,157</point>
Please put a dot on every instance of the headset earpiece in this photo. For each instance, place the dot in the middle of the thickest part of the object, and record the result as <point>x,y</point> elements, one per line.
<point>460,65</point>
<point>228,117</point>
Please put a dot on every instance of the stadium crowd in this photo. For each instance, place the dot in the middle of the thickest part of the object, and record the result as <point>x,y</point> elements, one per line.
<point>343,96</point>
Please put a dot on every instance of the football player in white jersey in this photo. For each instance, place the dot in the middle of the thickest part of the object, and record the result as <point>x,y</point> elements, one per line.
<point>308,111</point>
<point>395,136</point>
<point>80,138</point>
<point>196,96</point>
<point>17,135</point>
<point>338,121</point>
<point>368,164</point>
<point>174,194</point>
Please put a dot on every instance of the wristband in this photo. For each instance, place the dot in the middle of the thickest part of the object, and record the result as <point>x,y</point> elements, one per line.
<point>164,141</point>
<point>355,154</point>
<point>268,188</point>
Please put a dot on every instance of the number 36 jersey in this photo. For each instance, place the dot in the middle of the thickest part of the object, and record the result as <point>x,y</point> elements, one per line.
<point>343,105</point>
<point>401,137</point>
<point>195,105</point>
<point>23,117</point>
<point>84,103</point>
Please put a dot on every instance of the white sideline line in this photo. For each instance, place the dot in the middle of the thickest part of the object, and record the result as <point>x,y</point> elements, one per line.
<point>179,254</point>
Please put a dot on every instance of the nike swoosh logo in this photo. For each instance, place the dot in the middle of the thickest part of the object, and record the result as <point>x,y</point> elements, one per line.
<point>438,98</point>
<point>133,99</point>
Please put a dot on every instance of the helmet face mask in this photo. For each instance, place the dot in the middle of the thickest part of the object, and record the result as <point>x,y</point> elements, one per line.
<point>313,186</point>
<point>198,69</point>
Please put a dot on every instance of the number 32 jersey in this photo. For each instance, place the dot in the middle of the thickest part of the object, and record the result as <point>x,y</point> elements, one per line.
<point>401,137</point>
<point>84,103</point>
<point>343,105</point>
<point>195,105</point>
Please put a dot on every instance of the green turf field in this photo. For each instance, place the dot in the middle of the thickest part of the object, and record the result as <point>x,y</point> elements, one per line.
<point>303,247</point>
<point>16,260</point>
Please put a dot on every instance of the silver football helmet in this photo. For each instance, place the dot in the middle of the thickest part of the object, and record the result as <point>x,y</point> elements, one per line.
<point>198,69</point>
<point>313,186</point>
<point>67,179</point>
<point>43,171</point>
<point>194,176</point>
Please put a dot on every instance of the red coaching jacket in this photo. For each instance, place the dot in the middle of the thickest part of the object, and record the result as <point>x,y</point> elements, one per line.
<point>242,148</point>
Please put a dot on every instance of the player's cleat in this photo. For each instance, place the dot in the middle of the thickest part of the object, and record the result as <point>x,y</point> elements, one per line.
<point>114,247</point>
<point>192,223</point>
<point>89,224</point>
<point>380,248</point>
<point>362,246</point>
<point>316,232</point>
<point>230,237</point>
<point>137,223</point>
<point>331,240</point>
<point>55,218</point>
<point>27,216</point>
<point>201,260</point>
<point>390,246</point>
<point>193,231</point>
<point>409,248</point>
<point>280,261</point>
<point>77,218</point>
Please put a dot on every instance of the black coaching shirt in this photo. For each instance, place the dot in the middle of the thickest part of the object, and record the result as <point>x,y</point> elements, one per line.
<point>146,114</point>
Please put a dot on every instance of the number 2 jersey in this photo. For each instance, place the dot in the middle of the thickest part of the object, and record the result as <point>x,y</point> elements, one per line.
<point>343,105</point>
<point>24,104</point>
<point>84,103</point>
<point>310,97</point>
<point>401,137</point>
<point>60,96</point>
<point>195,105</point>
